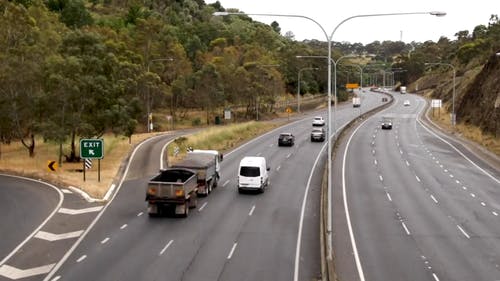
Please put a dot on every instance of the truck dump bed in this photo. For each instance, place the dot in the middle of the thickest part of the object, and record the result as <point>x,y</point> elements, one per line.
<point>202,164</point>
<point>172,185</point>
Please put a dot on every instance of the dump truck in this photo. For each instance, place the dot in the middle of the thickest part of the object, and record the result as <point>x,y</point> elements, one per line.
<point>218,157</point>
<point>204,165</point>
<point>172,189</point>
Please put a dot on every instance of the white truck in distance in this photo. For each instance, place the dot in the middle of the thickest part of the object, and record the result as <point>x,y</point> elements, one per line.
<point>356,102</point>
<point>403,89</point>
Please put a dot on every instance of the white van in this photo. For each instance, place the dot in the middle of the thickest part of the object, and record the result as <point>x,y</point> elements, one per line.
<point>253,174</point>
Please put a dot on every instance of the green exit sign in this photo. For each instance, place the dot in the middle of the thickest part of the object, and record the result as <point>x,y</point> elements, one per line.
<point>92,148</point>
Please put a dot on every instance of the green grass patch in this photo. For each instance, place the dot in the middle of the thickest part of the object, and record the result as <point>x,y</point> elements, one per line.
<point>220,138</point>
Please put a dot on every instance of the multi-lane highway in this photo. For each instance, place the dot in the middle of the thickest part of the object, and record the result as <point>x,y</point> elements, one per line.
<point>410,205</point>
<point>229,236</point>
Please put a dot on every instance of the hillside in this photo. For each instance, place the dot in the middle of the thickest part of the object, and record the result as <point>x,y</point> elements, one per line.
<point>477,100</point>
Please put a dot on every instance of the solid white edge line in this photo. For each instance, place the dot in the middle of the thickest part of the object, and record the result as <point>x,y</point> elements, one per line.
<point>251,210</point>
<point>59,204</point>
<point>463,232</point>
<point>346,208</point>
<point>110,191</point>
<point>459,152</point>
<point>96,219</point>
<point>166,247</point>
<point>232,251</point>
<point>302,212</point>
<point>162,165</point>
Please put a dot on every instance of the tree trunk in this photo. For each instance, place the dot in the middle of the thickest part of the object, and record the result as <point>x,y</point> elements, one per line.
<point>30,146</point>
<point>73,147</point>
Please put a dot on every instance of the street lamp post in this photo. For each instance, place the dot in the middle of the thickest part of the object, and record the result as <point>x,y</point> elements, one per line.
<point>148,102</point>
<point>298,85</point>
<point>453,117</point>
<point>329,61</point>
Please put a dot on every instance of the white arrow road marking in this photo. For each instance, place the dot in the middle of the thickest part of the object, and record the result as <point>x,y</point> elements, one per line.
<point>16,273</point>
<point>79,211</point>
<point>55,237</point>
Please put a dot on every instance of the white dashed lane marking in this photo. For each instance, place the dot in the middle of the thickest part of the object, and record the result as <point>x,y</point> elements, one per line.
<point>166,247</point>
<point>232,251</point>
<point>463,231</point>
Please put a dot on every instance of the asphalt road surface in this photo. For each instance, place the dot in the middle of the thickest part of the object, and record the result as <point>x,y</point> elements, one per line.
<point>419,208</point>
<point>24,205</point>
<point>229,236</point>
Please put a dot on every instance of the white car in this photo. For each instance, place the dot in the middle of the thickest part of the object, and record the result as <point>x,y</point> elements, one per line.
<point>406,103</point>
<point>318,121</point>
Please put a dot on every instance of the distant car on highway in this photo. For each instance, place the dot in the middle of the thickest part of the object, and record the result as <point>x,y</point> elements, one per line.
<point>286,139</point>
<point>318,121</point>
<point>406,103</point>
<point>386,123</point>
<point>318,134</point>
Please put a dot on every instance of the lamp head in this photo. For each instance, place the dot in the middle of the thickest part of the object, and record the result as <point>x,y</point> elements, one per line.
<point>438,13</point>
<point>217,14</point>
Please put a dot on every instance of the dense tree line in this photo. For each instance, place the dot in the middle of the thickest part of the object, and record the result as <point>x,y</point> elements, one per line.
<point>74,68</point>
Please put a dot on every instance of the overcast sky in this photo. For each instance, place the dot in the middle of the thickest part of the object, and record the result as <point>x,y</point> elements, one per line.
<point>461,15</point>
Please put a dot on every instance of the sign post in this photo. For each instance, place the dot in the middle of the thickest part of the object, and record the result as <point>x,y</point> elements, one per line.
<point>92,149</point>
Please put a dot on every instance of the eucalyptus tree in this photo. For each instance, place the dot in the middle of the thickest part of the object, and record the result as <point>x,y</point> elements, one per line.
<point>27,36</point>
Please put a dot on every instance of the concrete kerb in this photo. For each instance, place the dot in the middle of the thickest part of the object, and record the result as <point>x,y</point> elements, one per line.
<point>327,266</point>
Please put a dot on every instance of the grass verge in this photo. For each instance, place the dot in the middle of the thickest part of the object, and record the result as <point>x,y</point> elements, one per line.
<point>14,158</point>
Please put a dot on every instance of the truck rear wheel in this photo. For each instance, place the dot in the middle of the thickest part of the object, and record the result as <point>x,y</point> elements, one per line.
<point>193,200</point>
<point>186,209</point>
